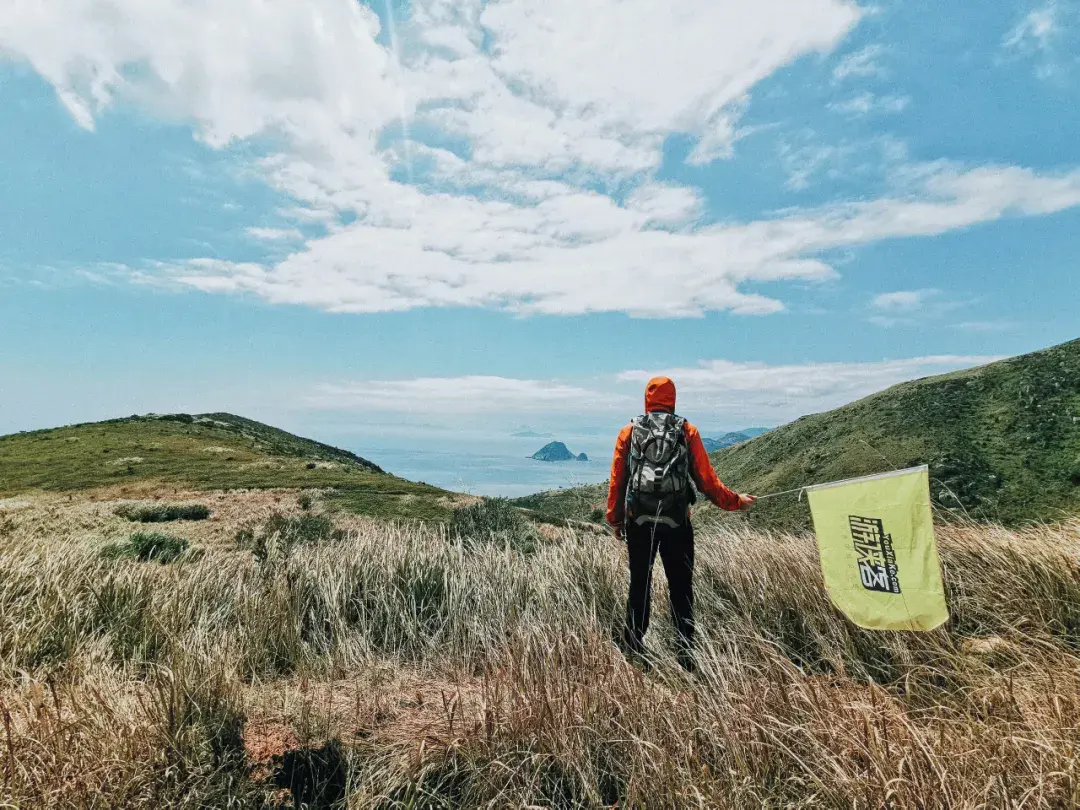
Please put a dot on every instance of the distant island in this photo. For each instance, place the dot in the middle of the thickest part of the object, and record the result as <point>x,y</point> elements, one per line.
<point>529,433</point>
<point>557,451</point>
<point>732,439</point>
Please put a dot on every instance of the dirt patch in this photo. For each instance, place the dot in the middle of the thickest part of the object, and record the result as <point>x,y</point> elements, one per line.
<point>312,776</point>
<point>263,741</point>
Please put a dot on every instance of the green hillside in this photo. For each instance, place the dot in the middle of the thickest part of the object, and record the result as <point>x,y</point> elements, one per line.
<point>207,451</point>
<point>1002,442</point>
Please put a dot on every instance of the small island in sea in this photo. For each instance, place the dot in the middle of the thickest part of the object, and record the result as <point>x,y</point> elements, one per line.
<point>528,433</point>
<point>557,451</point>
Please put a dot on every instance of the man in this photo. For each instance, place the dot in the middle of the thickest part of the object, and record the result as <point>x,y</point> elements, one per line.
<point>657,456</point>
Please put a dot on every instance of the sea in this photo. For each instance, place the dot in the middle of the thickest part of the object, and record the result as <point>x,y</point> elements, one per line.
<point>496,467</point>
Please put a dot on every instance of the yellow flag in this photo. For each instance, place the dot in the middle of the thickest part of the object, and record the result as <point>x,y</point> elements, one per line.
<point>878,553</point>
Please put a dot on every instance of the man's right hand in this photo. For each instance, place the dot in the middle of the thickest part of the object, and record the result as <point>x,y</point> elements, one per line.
<point>746,501</point>
<point>618,532</point>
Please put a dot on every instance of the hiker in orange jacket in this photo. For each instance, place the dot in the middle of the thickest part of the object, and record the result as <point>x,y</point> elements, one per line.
<point>657,456</point>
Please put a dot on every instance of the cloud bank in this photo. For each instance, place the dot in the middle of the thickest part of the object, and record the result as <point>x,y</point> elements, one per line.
<point>714,392</point>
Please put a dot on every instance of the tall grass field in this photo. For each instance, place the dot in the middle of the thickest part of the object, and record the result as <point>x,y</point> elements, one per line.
<point>293,657</point>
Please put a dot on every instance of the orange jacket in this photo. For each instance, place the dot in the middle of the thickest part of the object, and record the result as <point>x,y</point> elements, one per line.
<point>660,396</point>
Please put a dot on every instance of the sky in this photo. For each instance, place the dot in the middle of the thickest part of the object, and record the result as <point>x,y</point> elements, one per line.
<point>412,218</point>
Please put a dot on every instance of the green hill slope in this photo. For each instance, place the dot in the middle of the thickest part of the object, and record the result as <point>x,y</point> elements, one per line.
<point>207,451</point>
<point>1002,442</point>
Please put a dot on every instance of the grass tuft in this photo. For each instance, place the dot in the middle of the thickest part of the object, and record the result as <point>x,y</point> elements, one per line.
<point>279,534</point>
<point>163,513</point>
<point>148,547</point>
<point>494,521</point>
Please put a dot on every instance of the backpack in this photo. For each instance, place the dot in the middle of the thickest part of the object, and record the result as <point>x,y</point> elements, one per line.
<point>658,489</point>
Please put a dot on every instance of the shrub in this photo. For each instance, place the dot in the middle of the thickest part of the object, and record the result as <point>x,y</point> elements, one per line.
<point>164,513</point>
<point>306,500</point>
<point>494,521</point>
<point>157,546</point>
<point>147,547</point>
<point>285,533</point>
<point>183,418</point>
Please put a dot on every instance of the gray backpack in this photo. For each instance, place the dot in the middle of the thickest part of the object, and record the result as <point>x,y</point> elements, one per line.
<point>658,489</point>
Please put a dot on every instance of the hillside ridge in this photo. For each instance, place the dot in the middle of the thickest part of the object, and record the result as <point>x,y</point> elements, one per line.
<point>279,442</point>
<point>211,451</point>
<point>1002,441</point>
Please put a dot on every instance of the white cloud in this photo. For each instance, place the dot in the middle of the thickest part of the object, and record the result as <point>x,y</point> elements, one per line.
<point>807,160</point>
<point>864,63</point>
<point>644,68</point>
<point>236,68</point>
<point>1047,36</point>
<point>713,391</point>
<point>804,162</point>
<point>737,392</point>
<point>665,205</point>
<point>1036,30</point>
<point>315,74</point>
<point>274,234</point>
<point>556,91</point>
<point>911,307</point>
<point>557,110</point>
<point>903,300</point>
<point>468,394</point>
<point>984,327</point>
<point>578,252</point>
<point>865,104</point>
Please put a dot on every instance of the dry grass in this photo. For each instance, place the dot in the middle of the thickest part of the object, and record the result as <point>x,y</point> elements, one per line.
<point>398,667</point>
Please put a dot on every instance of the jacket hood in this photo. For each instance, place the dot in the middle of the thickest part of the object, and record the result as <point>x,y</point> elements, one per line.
<point>660,395</point>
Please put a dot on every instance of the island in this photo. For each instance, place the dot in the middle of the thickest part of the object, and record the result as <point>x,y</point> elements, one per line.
<point>557,451</point>
<point>732,439</point>
<point>528,433</point>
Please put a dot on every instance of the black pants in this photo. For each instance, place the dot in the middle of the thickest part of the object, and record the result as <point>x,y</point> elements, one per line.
<point>676,547</point>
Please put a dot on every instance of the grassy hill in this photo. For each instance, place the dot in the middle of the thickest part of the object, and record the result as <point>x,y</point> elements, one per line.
<point>208,451</point>
<point>1002,442</point>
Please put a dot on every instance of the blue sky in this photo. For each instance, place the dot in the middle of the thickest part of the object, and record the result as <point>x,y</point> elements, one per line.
<point>367,221</point>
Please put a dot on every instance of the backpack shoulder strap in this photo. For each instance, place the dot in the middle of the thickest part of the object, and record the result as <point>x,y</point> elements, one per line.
<point>679,424</point>
<point>633,446</point>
